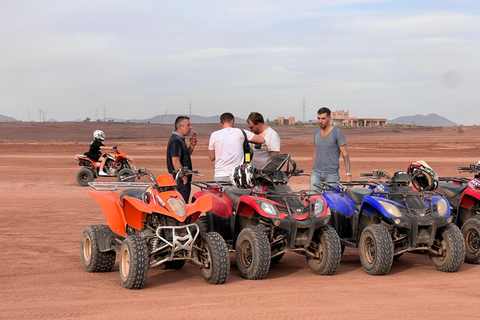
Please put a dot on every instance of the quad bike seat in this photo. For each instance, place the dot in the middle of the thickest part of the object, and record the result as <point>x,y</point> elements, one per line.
<point>234,194</point>
<point>133,192</point>
<point>450,190</point>
<point>357,194</point>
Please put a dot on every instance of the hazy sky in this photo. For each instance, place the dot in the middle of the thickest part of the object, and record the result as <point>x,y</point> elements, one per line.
<point>138,59</point>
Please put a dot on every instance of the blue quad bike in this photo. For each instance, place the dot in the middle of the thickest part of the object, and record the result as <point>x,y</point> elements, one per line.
<point>385,219</point>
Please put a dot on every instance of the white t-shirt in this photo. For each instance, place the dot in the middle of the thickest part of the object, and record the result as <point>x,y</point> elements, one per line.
<point>228,146</point>
<point>272,143</point>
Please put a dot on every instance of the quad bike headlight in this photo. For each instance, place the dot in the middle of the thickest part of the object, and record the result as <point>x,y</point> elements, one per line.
<point>269,208</point>
<point>178,205</point>
<point>319,206</point>
<point>442,207</point>
<point>391,209</point>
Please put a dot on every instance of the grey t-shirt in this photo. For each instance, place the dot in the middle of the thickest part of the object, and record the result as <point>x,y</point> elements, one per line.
<point>328,150</point>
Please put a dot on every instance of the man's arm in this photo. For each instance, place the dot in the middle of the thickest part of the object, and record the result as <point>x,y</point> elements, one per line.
<point>346,161</point>
<point>177,165</point>
<point>257,139</point>
<point>211,155</point>
<point>193,143</point>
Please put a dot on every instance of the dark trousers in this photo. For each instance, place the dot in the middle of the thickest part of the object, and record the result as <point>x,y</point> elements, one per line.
<point>184,189</point>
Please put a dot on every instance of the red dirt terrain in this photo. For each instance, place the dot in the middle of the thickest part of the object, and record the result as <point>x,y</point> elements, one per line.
<point>43,212</point>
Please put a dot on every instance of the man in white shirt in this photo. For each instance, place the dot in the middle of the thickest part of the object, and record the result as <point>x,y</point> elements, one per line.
<point>226,147</point>
<point>263,152</point>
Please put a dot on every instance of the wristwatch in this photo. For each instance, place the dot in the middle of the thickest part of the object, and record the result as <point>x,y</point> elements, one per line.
<point>349,174</point>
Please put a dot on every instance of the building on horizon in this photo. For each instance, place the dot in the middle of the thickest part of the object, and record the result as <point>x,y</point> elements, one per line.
<point>342,118</point>
<point>290,121</point>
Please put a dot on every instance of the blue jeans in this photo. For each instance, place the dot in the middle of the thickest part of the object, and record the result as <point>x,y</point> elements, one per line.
<point>323,177</point>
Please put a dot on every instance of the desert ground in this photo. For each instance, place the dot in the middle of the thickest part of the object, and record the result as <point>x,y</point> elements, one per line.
<point>43,212</point>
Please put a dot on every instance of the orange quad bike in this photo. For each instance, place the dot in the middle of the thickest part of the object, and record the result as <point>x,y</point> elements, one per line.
<point>118,165</point>
<point>151,226</point>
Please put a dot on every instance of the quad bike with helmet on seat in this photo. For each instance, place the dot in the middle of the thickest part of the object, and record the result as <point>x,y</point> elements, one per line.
<point>386,219</point>
<point>463,194</point>
<point>261,218</point>
<point>151,226</point>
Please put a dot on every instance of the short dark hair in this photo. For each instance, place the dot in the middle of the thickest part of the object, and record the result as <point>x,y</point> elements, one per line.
<point>255,118</point>
<point>226,117</point>
<point>179,121</point>
<point>324,110</point>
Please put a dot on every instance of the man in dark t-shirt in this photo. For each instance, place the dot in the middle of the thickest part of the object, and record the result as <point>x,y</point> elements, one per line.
<point>178,154</point>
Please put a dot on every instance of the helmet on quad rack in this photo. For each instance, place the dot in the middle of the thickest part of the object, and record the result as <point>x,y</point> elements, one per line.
<point>242,176</point>
<point>98,134</point>
<point>422,175</point>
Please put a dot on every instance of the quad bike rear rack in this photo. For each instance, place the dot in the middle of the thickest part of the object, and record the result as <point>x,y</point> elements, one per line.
<point>209,185</point>
<point>113,186</point>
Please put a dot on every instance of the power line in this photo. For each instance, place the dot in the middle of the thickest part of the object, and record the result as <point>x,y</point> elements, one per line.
<point>304,110</point>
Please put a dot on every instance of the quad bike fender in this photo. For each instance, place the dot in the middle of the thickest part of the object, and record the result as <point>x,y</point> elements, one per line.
<point>82,158</point>
<point>342,204</point>
<point>371,206</point>
<point>135,212</point>
<point>469,198</point>
<point>221,205</point>
<point>112,210</point>
<point>202,204</point>
<point>247,206</point>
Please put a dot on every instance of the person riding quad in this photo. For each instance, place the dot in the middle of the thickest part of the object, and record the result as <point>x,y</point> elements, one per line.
<point>95,152</point>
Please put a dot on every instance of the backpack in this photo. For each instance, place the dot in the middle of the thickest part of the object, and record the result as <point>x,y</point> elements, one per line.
<point>247,150</point>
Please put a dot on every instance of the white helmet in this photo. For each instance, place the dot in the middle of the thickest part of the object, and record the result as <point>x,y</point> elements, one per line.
<point>242,176</point>
<point>98,134</point>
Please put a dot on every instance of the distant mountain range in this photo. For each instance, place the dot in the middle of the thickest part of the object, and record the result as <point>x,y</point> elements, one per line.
<point>170,119</point>
<point>432,119</point>
<point>419,120</point>
<point>5,118</point>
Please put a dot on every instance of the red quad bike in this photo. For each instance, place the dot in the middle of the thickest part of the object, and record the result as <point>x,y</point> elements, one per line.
<point>262,225</point>
<point>463,194</point>
<point>151,226</point>
<point>118,165</point>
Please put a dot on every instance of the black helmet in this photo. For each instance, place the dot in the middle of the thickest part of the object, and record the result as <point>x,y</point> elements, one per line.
<point>422,175</point>
<point>242,176</point>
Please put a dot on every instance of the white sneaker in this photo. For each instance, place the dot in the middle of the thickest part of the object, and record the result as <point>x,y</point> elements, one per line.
<point>102,173</point>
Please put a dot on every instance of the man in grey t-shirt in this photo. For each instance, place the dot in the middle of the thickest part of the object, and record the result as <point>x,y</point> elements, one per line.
<point>330,143</point>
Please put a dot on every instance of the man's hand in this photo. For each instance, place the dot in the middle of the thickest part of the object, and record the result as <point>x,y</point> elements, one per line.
<point>193,139</point>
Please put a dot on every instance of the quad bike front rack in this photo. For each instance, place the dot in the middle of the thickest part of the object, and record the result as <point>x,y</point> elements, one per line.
<point>178,244</point>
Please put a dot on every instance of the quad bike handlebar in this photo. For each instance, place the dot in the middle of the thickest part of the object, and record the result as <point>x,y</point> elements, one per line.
<point>473,168</point>
<point>376,174</point>
<point>342,185</point>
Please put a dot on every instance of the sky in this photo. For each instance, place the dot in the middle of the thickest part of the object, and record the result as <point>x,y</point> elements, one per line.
<point>138,59</point>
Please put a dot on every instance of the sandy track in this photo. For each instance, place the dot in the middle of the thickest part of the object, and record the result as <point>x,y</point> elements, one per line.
<point>43,213</point>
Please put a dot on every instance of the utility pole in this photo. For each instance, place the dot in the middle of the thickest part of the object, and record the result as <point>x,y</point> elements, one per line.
<point>167,117</point>
<point>28,115</point>
<point>40,113</point>
<point>304,110</point>
<point>96,111</point>
<point>104,113</point>
<point>190,108</point>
